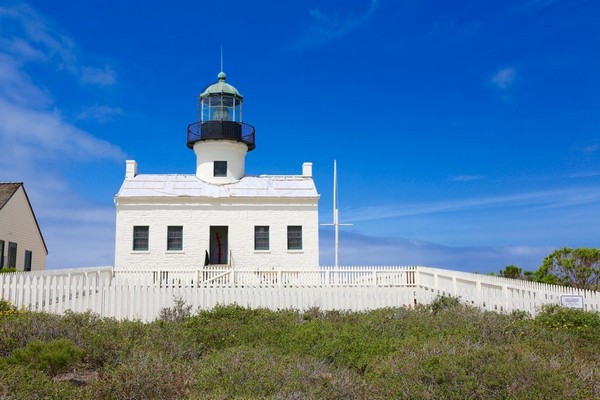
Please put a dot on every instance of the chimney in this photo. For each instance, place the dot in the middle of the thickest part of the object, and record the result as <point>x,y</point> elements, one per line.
<point>130,169</point>
<point>307,169</point>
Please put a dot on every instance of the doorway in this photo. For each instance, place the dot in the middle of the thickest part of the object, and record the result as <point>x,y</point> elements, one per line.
<point>219,246</point>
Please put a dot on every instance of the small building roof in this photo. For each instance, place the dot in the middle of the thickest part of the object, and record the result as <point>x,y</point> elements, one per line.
<point>178,185</point>
<point>7,190</point>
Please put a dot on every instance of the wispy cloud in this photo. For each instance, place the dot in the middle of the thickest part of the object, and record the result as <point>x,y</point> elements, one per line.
<point>45,135</point>
<point>98,76</point>
<point>100,113</point>
<point>592,148</point>
<point>504,78</point>
<point>400,251</point>
<point>28,35</point>
<point>466,178</point>
<point>533,6</point>
<point>17,87</point>
<point>538,200</point>
<point>325,27</point>
<point>40,146</point>
<point>584,174</point>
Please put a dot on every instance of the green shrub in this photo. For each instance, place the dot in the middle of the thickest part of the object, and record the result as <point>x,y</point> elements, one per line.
<point>109,341</point>
<point>583,323</point>
<point>177,313</point>
<point>246,372</point>
<point>23,327</point>
<point>143,375</point>
<point>343,345</point>
<point>19,382</point>
<point>227,326</point>
<point>174,341</point>
<point>441,303</point>
<point>449,368</point>
<point>455,352</point>
<point>6,306</point>
<point>54,357</point>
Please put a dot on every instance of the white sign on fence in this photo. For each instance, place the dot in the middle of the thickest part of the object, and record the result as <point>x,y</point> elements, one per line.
<point>571,301</point>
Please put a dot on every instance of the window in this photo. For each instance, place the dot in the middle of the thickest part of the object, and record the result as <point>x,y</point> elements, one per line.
<point>220,168</point>
<point>12,255</point>
<point>294,237</point>
<point>261,238</point>
<point>27,266</point>
<point>140,237</point>
<point>1,254</point>
<point>175,238</point>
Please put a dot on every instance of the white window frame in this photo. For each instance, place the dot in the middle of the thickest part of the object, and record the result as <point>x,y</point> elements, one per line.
<point>175,238</point>
<point>137,237</point>
<point>261,236</point>
<point>294,237</point>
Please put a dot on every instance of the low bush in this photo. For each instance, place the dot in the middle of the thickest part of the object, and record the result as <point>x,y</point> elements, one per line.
<point>143,375</point>
<point>580,322</point>
<point>107,342</point>
<point>54,357</point>
<point>453,352</point>
<point>6,308</point>
<point>246,372</point>
<point>454,369</point>
<point>444,303</point>
<point>19,382</point>
<point>177,313</point>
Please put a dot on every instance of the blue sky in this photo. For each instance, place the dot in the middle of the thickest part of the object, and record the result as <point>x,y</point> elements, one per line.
<point>466,133</point>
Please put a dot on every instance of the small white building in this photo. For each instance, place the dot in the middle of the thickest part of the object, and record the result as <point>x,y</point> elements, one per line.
<point>218,216</point>
<point>22,245</point>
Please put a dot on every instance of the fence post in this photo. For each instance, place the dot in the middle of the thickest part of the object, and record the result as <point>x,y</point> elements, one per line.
<point>454,287</point>
<point>279,282</point>
<point>505,296</point>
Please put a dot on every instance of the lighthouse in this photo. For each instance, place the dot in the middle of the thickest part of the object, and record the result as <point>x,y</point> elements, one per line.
<point>218,217</point>
<point>220,138</point>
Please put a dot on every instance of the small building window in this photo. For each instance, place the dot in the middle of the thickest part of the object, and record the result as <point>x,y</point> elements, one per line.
<point>175,238</point>
<point>1,254</point>
<point>220,168</point>
<point>12,255</point>
<point>294,237</point>
<point>261,238</point>
<point>28,255</point>
<point>140,237</point>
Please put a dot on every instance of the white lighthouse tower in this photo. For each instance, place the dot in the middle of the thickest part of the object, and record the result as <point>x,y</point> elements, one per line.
<point>220,138</point>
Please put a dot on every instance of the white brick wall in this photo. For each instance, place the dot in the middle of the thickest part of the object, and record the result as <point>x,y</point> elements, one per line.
<point>196,215</point>
<point>17,225</point>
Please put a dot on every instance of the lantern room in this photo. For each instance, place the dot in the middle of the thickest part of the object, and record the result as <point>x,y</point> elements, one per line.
<point>220,116</point>
<point>220,101</point>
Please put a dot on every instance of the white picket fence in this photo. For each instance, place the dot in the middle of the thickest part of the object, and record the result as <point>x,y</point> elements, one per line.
<point>141,294</point>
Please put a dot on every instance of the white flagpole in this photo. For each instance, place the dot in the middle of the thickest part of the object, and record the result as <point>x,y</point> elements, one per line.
<point>335,215</point>
<point>336,223</point>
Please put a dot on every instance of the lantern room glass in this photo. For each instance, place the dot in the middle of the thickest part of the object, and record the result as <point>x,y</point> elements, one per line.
<point>220,107</point>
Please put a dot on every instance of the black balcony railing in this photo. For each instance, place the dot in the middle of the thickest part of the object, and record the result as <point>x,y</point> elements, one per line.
<point>238,131</point>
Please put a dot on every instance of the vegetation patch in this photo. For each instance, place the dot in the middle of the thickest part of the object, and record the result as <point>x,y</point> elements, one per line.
<point>442,351</point>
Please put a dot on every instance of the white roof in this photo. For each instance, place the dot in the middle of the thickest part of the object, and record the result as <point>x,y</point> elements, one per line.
<point>176,185</point>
